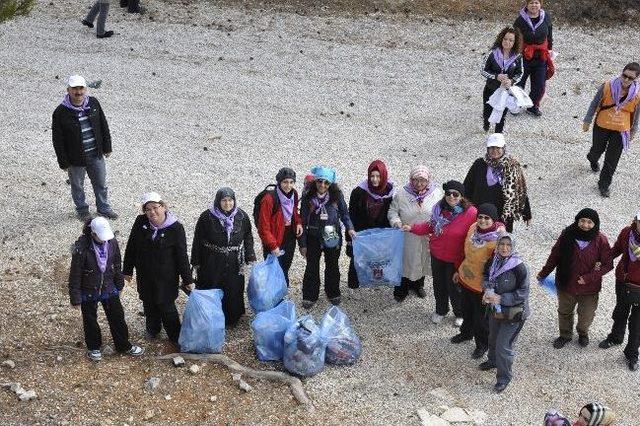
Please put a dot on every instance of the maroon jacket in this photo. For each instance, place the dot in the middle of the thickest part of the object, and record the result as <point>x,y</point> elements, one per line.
<point>626,271</point>
<point>582,265</point>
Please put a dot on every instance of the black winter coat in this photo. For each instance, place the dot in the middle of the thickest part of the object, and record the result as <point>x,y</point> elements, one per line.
<point>360,215</point>
<point>67,135</point>
<point>492,69</point>
<point>544,31</point>
<point>158,263</point>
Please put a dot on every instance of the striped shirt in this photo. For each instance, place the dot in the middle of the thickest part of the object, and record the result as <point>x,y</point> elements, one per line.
<point>88,139</point>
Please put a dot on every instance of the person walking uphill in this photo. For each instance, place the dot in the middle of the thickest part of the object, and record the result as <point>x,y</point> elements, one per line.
<point>581,257</point>
<point>222,245</point>
<point>81,140</point>
<point>615,107</point>
<point>368,208</point>
<point>322,209</point>
<point>447,229</point>
<point>497,178</point>
<point>96,277</point>
<point>100,9</point>
<point>414,203</point>
<point>157,250</point>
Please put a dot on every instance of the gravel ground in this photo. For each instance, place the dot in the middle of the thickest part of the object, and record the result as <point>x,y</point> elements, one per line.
<point>204,97</point>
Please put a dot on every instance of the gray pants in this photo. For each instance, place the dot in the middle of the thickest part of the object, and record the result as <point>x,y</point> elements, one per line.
<point>101,10</point>
<point>502,337</point>
<point>97,171</point>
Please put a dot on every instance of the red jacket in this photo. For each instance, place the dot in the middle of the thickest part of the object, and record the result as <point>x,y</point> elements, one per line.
<point>271,224</point>
<point>448,246</point>
<point>626,271</point>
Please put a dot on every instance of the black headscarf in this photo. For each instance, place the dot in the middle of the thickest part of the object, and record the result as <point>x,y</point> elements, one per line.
<point>567,242</point>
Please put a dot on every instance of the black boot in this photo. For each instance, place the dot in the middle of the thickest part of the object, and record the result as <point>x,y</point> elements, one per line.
<point>134,6</point>
<point>124,3</point>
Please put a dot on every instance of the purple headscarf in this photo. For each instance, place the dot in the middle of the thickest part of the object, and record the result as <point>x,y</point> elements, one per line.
<point>439,220</point>
<point>417,197</point>
<point>286,204</point>
<point>501,264</point>
<point>527,18</point>
<point>169,220</point>
<point>102,253</point>
<point>616,91</point>
<point>225,218</point>
<point>319,202</point>
<point>81,110</point>
<point>498,55</point>
<point>633,243</point>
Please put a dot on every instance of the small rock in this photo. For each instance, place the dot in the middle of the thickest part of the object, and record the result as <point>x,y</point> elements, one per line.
<point>213,398</point>
<point>442,394</point>
<point>479,417</point>
<point>153,73</point>
<point>107,350</point>
<point>152,383</point>
<point>204,148</point>
<point>236,377</point>
<point>194,369</point>
<point>59,358</point>
<point>16,388</point>
<point>178,361</point>
<point>167,397</point>
<point>9,364</point>
<point>244,386</point>
<point>28,395</point>
<point>149,415</point>
<point>43,183</point>
<point>456,414</point>
<point>95,84</point>
<point>427,419</point>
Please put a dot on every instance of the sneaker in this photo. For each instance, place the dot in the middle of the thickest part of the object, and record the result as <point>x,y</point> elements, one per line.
<point>109,214</point>
<point>84,216</point>
<point>106,34</point>
<point>479,352</point>
<point>399,298</point>
<point>421,293</point>
<point>595,167</point>
<point>607,343</point>
<point>560,342</point>
<point>436,318</point>
<point>605,192</point>
<point>95,355</point>
<point>486,366</point>
<point>459,338</point>
<point>87,23</point>
<point>135,350</point>
<point>308,304</point>
<point>458,322</point>
<point>335,301</point>
<point>583,340</point>
<point>633,365</point>
<point>499,387</point>
<point>535,111</point>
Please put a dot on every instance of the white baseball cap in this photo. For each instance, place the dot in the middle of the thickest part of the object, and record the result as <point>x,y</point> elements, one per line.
<point>76,81</point>
<point>150,197</point>
<point>495,139</point>
<point>638,215</point>
<point>100,226</point>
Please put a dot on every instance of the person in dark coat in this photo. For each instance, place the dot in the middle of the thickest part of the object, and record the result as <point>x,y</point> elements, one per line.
<point>581,257</point>
<point>222,245</point>
<point>157,250</point>
<point>368,207</point>
<point>497,178</point>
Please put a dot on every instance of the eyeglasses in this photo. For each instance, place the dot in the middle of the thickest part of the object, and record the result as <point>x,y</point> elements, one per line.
<point>484,217</point>
<point>454,194</point>
<point>504,244</point>
<point>152,208</point>
<point>323,182</point>
<point>628,77</point>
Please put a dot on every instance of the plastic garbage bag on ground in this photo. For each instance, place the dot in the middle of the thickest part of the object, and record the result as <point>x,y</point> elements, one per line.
<point>304,347</point>
<point>267,284</point>
<point>377,256</point>
<point>269,328</point>
<point>548,284</point>
<point>202,328</point>
<point>343,345</point>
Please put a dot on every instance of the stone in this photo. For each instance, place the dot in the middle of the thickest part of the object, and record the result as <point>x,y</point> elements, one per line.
<point>178,361</point>
<point>194,369</point>
<point>9,364</point>
<point>427,419</point>
<point>28,395</point>
<point>59,358</point>
<point>107,350</point>
<point>442,394</point>
<point>236,377</point>
<point>16,388</point>
<point>456,415</point>
<point>167,397</point>
<point>152,383</point>
<point>213,398</point>
<point>244,386</point>
<point>149,415</point>
<point>479,417</point>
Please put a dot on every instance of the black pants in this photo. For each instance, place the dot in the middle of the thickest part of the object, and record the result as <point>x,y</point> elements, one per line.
<point>405,284</point>
<point>537,70</point>
<point>488,109</point>
<point>352,276</point>
<point>611,142</point>
<point>115,316</point>
<point>475,321</point>
<point>623,313</point>
<point>311,280</point>
<point>288,247</point>
<point>444,289</point>
<point>164,314</point>
<point>508,224</point>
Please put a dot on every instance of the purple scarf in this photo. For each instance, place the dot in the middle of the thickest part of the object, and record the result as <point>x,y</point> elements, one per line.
<point>616,90</point>
<point>319,202</point>
<point>582,244</point>
<point>102,253</point>
<point>169,220</point>
<point>633,244</point>
<point>81,110</point>
<point>286,204</point>
<point>225,219</point>
<point>479,238</point>
<point>498,55</point>
<point>500,265</point>
<point>419,198</point>
<point>365,185</point>
<point>527,18</point>
<point>494,176</point>
<point>439,220</point>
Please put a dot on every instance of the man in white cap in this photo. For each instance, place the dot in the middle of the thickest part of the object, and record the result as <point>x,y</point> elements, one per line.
<point>82,140</point>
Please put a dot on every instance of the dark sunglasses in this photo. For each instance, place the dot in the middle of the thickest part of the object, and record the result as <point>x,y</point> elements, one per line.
<point>323,182</point>
<point>628,77</point>
<point>484,217</point>
<point>454,194</point>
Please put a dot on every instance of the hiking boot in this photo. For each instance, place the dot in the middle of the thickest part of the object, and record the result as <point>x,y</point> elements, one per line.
<point>459,338</point>
<point>135,350</point>
<point>84,216</point>
<point>109,214</point>
<point>560,342</point>
<point>499,387</point>
<point>479,352</point>
<point>87,23</point>
<point>583,340</point>
<point>106,34</point>
<point>486,366</point>
<point>308,304</point>
<point>535,111</point>
<point>95,355</point>
<point>399,298</point>
<point>335,301</point>
<point>633,365</point>
<point>421,293</point>
<point>607,343</point>
<point>605,192</point>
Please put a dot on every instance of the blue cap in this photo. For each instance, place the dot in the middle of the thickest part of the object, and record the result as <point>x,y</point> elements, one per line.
<point>326,173</point>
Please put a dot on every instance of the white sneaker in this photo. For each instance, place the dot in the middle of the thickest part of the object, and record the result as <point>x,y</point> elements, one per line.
<point>135,350</point>
<point>95,355</point>
<point>436,318</point>
<point>458,322</point>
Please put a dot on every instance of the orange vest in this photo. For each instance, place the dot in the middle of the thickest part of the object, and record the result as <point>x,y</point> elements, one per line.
<point>609,118</point>
<point>472,267</point>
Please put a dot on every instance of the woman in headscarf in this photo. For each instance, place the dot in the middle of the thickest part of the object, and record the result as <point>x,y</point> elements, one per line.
<point>414,203</point>
<point>580,256</point>
<point>595,414</point>
<point>322,209</point>
<point>222,245</point>
<point>506,290</point>
<point>497,178</point>
<point>479,245</point>
<point>447,228</point>
<point>157,250</point>
<point>627,293</point>
<point>368,207</point>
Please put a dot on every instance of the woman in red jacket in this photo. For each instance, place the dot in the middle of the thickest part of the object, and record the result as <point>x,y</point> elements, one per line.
<point>581,256</point>
<point>450,221</point>
<point>627,293</point>
<point>278,222</point>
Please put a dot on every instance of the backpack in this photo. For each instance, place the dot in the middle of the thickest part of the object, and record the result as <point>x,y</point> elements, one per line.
<point>269,190</point>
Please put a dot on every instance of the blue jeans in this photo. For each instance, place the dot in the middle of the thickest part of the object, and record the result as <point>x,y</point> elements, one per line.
<point>97,171</point>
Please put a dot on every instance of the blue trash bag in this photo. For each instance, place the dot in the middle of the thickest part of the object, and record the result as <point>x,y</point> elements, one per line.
<point>549,284</point>
<point>343,345</point>
<point>269,328</point>
<point>377,256</point>
<point>267,285</point>
<point>304,347</point>
<point>202,328</point>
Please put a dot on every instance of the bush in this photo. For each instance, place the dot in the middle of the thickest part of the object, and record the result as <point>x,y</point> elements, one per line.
<point>13,8</point>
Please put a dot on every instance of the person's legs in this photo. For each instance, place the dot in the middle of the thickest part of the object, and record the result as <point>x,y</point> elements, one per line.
<point>566,307</point>
<point>538,82</point>
<point>500,126</point>
<point>93,12</point>
<point>401,291</point>
<point>453,290</point>
<point>526,68</point>
<point>440,293</point>
<point>332,272</point>
<point>102,17</point>
<point>119,330</point>
<point>587,305</point>
<point>467,304</point>
<point>289,248</point>
<point>152,317</point>
<point>311,280</point>
<point>599,141</point>
<point>494,329</point>
<point>486,108</point>
<point>76,180</point>
<point>92,334</point>
<point>352,275</point>
<point>97,171</point>
<point>611,158</point>
<point>170,320</point>
<point>480,323</point>
<point>134,6</point>
<point>619,316</point>
<point>633,342</point>
<point>505,352</point>
<point>233,299</point>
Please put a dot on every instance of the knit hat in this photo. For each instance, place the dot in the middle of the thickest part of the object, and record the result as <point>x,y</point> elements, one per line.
<point>285,173</point>
<point>453,185</point>
<point>588,213</point>
<point>599,414</point>
<point>326,173</point>
<point>489,210</point>
<point>421,171</point>
<point>496,139</point>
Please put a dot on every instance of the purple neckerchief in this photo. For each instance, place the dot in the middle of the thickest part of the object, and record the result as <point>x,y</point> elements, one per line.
<point>494,176</point>
<point>633,242</point>
<point>169,220</point>
<point>226,221</point>
<point>102,252</point>
<point>440,221</point>
<point>80,110</point>
<point>419,198</point>
<point>498,55</point>
<point>319,202</point>
<point>286,204</point>
<point>365,185</point>
<point>527,18</point>
<point>582,244</point>
<point>616,90</point>
<point>477,238</point>
<point>501,265</point>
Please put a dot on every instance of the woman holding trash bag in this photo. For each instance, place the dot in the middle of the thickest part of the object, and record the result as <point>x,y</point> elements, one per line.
<point>503,68</point>
<point>447,229</point>
<point>157,250</point>
<point>497,178</point>
<point>322,209</point>
<point>580,256</point>
<point>414,203</point>
<point>279,223</point>
<point>506,290</point>
<point>368,207</point>
<point>222,245</point>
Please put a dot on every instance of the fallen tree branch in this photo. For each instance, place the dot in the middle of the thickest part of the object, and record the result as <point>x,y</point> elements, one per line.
<point>294,383</point>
